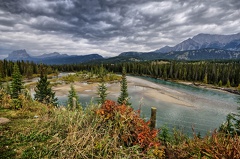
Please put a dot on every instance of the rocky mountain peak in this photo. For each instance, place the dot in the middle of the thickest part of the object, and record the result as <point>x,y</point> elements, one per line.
<point>18,55</point>
<point>202,41</point>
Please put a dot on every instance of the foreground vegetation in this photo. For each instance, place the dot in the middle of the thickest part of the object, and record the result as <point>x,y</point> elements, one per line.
<point>100,131</point>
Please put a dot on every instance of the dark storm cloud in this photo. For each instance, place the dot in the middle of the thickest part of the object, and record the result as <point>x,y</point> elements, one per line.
<point>111,26</point>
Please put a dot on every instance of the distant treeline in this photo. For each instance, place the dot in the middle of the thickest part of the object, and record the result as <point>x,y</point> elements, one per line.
<point>27,69</point>
<point>207,72</point>
<point>211,72</point>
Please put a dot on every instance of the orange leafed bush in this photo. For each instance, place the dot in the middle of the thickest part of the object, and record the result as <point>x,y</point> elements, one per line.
<point>133,130</point>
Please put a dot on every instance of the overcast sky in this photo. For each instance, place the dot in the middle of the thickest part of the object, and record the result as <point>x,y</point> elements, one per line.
<point>109,27</point>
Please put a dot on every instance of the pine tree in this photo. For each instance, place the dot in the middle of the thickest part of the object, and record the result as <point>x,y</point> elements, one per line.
<point>72,94</point>
<point>102,92</point>
<point>205,80</point>
<point>101,72</point>
<point>44,93</point>
<point>17,84</point>
<point>220,83</point>
<point>228,83</point>
<point>102,89</point>
<point>123,98</point>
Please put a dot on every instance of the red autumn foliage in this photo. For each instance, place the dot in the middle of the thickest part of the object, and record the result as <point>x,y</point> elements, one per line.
<point>135,131</point>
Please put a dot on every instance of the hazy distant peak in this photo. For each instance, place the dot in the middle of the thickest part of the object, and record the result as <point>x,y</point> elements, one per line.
<point>18,52</point>
<point>18,55</point>
<point>52,55</point>
<point>52,58</point>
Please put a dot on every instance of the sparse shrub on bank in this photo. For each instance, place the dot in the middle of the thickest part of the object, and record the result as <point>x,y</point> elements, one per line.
<point>90,77</point>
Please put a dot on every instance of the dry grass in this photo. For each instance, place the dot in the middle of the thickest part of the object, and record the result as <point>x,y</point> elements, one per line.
<point>58,133</point>
<point>217,145</point>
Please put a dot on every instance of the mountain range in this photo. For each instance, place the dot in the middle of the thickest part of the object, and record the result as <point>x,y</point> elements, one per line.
<point>52,58</point>
<point>203,41</point>
<point>199,47</point>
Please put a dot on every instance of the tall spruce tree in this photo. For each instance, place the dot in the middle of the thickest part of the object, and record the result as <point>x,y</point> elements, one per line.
<point>102,92</point>
<point>72,94</point>
<point>102,89</point>
<point>205,79</point>
<point>228,84</point>
<point>16,87</point>
<point>17,84</point>
<point>123,98</point>
<point>44,93</point>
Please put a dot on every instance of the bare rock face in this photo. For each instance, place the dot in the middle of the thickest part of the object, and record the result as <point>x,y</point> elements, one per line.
<point>4,121</point>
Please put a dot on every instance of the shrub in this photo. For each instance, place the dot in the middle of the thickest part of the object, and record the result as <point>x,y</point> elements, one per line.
<point>132,130</point>
<point>218,145</point>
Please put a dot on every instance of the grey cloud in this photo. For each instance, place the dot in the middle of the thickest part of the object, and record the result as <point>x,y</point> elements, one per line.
<point>6,22</point>
<point>132,23</point>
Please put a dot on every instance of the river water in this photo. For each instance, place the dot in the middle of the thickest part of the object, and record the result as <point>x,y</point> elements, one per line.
<point>208,113</point>
<point>209,110</point>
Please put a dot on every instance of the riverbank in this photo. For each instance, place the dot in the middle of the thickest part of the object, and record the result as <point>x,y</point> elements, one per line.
<point>233,90</point>
<point>209,86</point>
<point>151,90</point>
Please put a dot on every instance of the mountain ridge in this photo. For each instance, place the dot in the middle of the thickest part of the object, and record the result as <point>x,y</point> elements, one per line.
<point>51,58</point>
<point>199,47</point>
<point>203,41</point>
<point>51,55</point>
<point>201,54</point>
